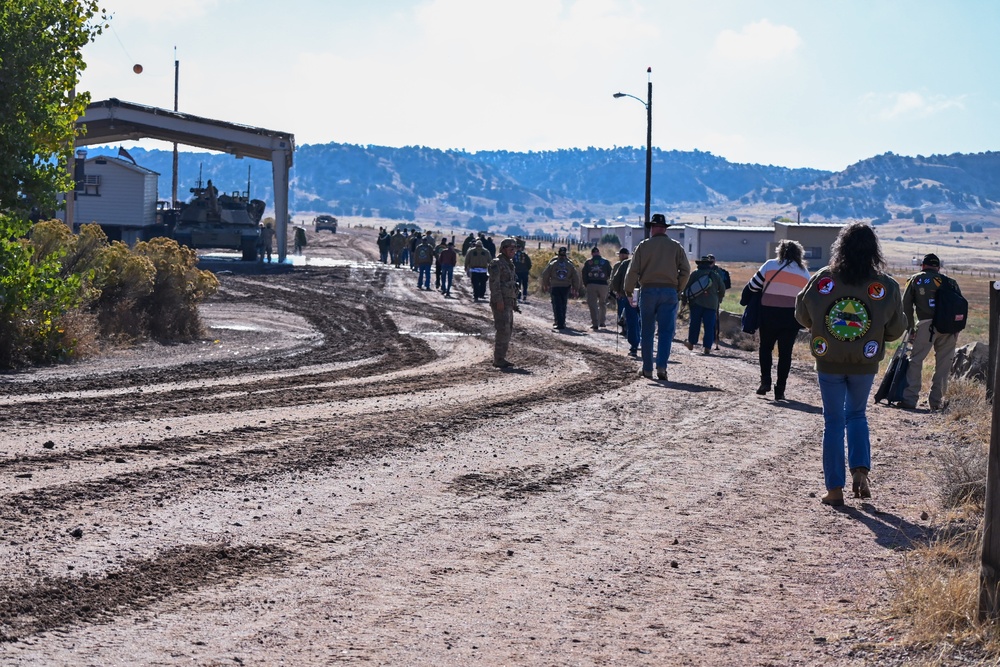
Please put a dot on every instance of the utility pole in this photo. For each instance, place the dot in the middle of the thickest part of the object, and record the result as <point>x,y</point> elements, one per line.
<point>649,141</point>
<point>173,182</point>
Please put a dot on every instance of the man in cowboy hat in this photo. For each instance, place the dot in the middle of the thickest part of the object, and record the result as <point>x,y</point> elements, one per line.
<point>659,268</point>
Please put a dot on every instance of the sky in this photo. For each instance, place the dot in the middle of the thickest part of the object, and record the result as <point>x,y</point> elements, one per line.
<point>799,83</point>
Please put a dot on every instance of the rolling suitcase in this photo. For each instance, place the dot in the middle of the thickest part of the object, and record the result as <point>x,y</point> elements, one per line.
<point>894,381</point>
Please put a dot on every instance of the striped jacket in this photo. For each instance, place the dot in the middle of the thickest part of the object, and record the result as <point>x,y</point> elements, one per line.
<point>784,286</point>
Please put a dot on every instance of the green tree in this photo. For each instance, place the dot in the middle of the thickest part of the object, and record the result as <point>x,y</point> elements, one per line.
<point>40,64</point>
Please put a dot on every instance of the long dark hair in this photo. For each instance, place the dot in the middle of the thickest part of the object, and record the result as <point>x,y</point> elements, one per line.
<point>857,255</point>
<point>790,251</point>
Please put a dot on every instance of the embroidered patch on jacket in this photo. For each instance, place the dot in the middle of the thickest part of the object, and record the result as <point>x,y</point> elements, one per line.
<point>871,349</point>
<point>824,285</point>
<point>819,346</point>
<point>848,319</point>
<point>561,272</point>
<point>876,291</point>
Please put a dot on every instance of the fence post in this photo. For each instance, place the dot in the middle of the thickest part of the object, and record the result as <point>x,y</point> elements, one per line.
<point>989,572</point>
<point>994,333</point>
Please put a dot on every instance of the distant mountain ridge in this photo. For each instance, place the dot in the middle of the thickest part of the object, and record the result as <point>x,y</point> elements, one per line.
<point>416,182</point>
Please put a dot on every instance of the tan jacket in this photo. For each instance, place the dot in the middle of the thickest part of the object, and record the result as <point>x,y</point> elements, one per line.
<point>478,257</point>
<point>560,272</point>
<point>849,325</point>
<point>659,261</point>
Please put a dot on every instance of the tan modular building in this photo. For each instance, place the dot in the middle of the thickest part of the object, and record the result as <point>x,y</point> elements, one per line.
<point>816,240</point>
<point>727,243</point>
<point>733,243</point>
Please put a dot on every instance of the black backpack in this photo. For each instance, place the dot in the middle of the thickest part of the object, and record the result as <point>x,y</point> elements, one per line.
<point>951,309</point>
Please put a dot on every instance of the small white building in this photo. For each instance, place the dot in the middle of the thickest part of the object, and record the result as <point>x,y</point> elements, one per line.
<point>116,194</point>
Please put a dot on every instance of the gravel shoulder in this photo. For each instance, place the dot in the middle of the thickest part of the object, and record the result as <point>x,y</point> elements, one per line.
<point>337,474</point>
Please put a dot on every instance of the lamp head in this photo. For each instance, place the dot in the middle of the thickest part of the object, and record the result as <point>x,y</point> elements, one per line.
<point>617,95</point>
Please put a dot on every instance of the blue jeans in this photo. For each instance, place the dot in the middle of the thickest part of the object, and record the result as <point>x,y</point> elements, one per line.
<point>424,276</point>
<point>631,322</point>
<point>700,315</point>
<point>657,311</point>
<point>447,275</point>
<point>845,400</point>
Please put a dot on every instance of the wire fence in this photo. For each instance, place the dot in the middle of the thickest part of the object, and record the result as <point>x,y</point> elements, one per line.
<point>905,270</point>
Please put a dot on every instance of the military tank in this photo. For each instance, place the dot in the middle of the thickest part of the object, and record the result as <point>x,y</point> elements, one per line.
<point>211,220</point>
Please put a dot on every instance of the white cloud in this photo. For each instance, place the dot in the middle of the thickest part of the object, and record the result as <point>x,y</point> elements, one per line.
<point>758,41</point>
<point>908,104</point>
<point>153,11</point>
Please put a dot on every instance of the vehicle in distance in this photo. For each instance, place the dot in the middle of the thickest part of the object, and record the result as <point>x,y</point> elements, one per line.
<point>321,222</point>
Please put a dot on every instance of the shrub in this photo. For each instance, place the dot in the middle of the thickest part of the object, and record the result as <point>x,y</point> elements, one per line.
<point>172,305</point>
<point>34,300</point>
<point>123,279</point>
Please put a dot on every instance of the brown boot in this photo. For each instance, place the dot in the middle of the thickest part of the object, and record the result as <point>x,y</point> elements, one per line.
<point>833,497</point>
<point>860,486</point>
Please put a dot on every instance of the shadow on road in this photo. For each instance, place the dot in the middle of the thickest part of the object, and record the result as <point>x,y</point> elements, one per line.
<point>891,531</point>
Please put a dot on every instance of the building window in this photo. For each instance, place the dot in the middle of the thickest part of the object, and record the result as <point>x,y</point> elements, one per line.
<point>90,186</point>
<point>814,252</point>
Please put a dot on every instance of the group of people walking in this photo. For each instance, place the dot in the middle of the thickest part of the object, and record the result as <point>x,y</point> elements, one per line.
<point>851,309</point>
<point>420,252</point>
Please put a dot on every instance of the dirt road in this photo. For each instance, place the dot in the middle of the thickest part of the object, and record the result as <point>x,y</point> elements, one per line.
<point>339,475</point>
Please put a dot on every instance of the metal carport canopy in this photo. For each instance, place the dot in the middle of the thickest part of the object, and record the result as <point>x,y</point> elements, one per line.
<point>112,120</point>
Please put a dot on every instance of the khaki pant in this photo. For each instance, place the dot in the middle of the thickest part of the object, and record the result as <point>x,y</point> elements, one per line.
<point>504,322</point>
<point>597,301</point>
<point>944,353</point>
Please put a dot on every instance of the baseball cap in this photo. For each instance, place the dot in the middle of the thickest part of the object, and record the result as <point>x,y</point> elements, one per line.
<point>931,260</point>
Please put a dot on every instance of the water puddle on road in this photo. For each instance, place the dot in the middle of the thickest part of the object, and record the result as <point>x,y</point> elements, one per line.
<point>301,260</point>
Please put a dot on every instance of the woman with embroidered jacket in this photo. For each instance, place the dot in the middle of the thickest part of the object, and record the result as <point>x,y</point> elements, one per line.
<point>852,308</point>
<point>779,280</point>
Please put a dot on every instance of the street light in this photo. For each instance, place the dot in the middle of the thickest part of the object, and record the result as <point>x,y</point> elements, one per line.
<point>649,135</point>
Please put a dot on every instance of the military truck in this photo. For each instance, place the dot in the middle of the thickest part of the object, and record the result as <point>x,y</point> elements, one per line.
<point>211,220</point>
<point>321,222</point>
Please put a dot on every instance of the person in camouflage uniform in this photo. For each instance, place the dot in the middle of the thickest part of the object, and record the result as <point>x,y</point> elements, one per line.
<point>503,300</point>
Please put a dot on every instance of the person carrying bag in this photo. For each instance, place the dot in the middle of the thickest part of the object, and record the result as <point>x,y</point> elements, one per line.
<point>777,283</point>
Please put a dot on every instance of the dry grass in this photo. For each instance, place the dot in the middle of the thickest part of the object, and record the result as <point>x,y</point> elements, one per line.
<point>965,437</point>
<point>937,590</point>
